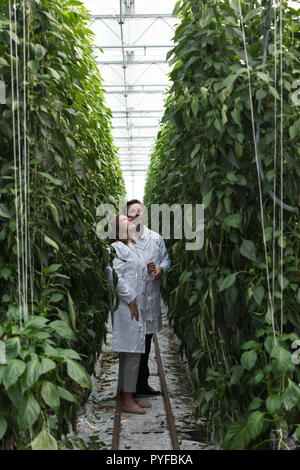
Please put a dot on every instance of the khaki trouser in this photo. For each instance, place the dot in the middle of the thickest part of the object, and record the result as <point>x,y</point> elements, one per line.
<point>128,371</point>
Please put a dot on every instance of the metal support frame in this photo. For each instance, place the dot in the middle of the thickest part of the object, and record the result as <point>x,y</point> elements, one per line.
<point>131,92</point>
<point>137,46</point>
<point>134,151</point>
<point>133,62</point>
<point>135,16</point>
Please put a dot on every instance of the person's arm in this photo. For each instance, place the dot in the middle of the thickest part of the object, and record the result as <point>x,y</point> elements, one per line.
<point>165,262</point>
<point>123,289</point>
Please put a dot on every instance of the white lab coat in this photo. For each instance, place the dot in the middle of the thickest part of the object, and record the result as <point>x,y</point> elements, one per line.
<point>128,334</point>
<point>153,247</point>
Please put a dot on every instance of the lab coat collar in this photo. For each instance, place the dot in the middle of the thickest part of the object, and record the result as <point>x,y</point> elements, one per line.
<point>146,237</point>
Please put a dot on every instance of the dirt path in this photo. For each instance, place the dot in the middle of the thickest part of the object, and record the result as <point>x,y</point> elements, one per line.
<point>149,431</point>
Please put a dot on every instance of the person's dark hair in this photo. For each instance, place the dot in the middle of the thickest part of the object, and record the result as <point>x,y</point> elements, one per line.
<point>129,203</point>
<point>114,235</point>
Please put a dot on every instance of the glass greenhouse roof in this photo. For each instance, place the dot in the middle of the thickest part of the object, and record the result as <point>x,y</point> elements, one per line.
<point>133,65</point>
<point>134,70</point>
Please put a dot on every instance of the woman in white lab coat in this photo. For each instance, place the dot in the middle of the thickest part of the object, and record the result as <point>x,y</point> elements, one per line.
<point>128,320</point>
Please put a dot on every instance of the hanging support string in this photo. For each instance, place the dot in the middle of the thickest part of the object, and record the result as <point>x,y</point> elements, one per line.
<point>257,166</point>
<point>281,165</point>
<point>259,106</point>
<point>15,159</point>
<point>26,169</point>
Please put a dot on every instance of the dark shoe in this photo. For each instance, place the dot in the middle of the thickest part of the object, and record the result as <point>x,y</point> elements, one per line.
<point>146,391</point>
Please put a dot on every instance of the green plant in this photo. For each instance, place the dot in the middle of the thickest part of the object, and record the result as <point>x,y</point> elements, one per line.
<point>69,168</point>
<point>219,297</point>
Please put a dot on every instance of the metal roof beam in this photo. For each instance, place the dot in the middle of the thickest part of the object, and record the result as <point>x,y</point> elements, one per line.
<point>136,16</point>
<point>133,62</point>
<point>140,46</point>
<point>130,92</point>
<point>134,127</point>
<point>137,111</point>
<point>130,139</point>
<point>136,85</point>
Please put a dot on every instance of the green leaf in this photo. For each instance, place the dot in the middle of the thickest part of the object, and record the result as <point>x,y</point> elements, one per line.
<point>258,294</point>
<point>228,281</point>
<point>54,213</point>
<point>13,370</point>
<point>51,242</point>
<point>195,150</point>
<point>273,403</point>
<point>47,365</point>
<point>282,362</point>
<point>237,373</point>
<point>50,395</point>
<point>193,299</point>
<point>32,374</point>
<point>78,373</point>
<point>39,51</point>
<point>248,250</point>
<point>255,423</point>
<point>274,92</point>
<point>29,412</point>
<point>251,344</point>
<point>255,403</point>
<point>5,273</point>
<point>53,180</point>
<point>207,199</point>
<point>65,395</point>
<point>291,395</point>
<point>195,106</point>
<point>72,311</point>
<point>233,220</point>
<point>252,14</point>
<point>185,276</point>
<point>54,267</point>
<point>4,212</point>
<point>36,322</point>
<point>56,297</point>
<point>3,426</point>
<point>237,436</point>
<point>62,329</point>
<point>260,94</point>
<point>44,441</point>
<point>263,76</point>
<point>248,359</point>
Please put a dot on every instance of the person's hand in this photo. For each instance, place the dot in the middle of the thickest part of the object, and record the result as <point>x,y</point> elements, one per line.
<point>158,272</point>
<point>151,267</point>
<point>134,310</point>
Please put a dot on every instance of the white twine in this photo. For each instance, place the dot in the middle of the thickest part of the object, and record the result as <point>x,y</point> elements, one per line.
<point>26,193</point>
<point>257,167</point>
<point>15,159</point>
<point>281,166</point>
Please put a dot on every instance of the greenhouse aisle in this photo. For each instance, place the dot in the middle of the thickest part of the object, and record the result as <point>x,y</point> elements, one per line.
<point>150,432</point>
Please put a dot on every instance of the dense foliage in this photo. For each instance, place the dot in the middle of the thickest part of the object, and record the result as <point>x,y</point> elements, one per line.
<point>46,362</point>
<point>219,304</point>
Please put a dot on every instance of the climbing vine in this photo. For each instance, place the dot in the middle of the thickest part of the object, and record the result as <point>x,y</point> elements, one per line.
<point>235,329</point>
<point>66,160</point>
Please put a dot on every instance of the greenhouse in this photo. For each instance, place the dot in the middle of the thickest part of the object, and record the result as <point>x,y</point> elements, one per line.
<point>149,226</point>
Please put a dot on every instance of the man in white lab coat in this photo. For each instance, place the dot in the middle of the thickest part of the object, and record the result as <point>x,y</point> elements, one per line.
<point>156,256</point>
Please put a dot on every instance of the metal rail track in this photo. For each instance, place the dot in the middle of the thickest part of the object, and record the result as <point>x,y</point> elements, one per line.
<point>167,403</point>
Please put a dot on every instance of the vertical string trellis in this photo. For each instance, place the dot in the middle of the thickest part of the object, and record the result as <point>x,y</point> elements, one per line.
<point>12,72</point>
<point>258,171</point>
<point>17,15</point>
